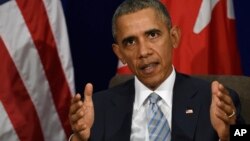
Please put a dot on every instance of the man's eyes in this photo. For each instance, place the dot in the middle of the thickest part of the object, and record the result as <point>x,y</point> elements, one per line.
<point>129,42</point>
<point>132,41</point>
<point>153,35</point>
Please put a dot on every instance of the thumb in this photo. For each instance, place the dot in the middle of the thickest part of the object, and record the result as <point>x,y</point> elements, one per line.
<point>215,87</point>
<point>88,92</point>
<point>215,90</point>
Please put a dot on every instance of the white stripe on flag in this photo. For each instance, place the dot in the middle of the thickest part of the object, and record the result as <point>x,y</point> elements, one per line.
<point>7,132</point>
<point>57,22</point>
<point>230,9</point>
<point>204,15</point>
<point>26,58</point>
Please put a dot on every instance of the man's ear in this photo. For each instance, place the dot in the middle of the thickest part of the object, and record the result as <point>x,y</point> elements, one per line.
<point>116,50</point>
<point>175,35</point>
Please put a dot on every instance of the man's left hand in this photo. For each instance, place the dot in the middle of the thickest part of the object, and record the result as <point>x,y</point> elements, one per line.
<point>222,111</point>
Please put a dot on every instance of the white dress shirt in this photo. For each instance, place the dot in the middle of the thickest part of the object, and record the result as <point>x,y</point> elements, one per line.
<point>139,129</point>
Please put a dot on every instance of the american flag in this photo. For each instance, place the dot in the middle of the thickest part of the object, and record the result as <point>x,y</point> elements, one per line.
<point>36,72</point>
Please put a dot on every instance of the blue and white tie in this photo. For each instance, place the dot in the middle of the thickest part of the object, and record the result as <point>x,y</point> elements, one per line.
<point>158,127</point>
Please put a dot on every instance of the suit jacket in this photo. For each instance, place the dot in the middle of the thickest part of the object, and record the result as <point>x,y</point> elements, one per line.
<point>113,111</point>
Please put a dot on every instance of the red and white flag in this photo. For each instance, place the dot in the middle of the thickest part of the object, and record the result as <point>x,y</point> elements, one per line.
<point>123,68</point>
<point>208,36</point>
<point>36,72</point>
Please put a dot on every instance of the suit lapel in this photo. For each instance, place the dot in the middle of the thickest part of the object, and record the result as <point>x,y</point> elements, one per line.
<point>185,110</point>
<point>119,113</point>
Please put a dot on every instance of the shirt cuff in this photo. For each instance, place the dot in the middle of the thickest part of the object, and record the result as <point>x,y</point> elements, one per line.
<point>70,137</point>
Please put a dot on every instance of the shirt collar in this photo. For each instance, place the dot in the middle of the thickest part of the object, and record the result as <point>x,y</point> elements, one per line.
<point>165,91</point>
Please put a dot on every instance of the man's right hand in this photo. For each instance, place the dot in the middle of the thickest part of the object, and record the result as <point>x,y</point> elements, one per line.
<point>81,114</point>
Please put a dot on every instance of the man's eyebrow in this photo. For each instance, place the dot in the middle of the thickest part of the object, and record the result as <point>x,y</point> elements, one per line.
<point>154,30</point>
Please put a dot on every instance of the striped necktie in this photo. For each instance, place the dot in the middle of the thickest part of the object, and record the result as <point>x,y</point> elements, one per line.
<point>158,127</point>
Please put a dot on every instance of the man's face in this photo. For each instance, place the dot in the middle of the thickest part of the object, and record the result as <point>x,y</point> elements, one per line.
<point>145,43</point>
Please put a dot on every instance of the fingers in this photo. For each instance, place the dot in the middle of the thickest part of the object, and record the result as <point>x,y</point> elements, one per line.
<point>79,126</point>
<point>76,103</point>
<point>223,102</point>
<point>221,112</point>
<point>81,113</point>
<point>224,95</point>
<point>76,98</point>
<point>78,115</point>
<point>77,118</point>
<point>227,108</point>
<point>75,112</point>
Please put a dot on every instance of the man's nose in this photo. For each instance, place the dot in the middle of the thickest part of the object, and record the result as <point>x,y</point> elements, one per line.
<point>144,50</point>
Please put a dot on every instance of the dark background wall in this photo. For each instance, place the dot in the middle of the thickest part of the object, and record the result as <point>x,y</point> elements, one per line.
<point>89,27</point>
<point>242,13</point>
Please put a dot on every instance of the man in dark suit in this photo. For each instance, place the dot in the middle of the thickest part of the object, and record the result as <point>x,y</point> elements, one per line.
<point>191,109</point>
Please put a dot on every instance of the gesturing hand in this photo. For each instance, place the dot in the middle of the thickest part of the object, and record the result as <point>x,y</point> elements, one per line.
<point>222,111</point>
<point>81,114</point>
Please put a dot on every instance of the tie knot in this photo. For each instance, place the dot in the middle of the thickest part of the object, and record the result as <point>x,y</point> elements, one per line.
<point>153,98</point>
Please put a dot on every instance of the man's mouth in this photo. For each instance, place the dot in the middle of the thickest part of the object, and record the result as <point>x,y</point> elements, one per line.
<point>149,68</point>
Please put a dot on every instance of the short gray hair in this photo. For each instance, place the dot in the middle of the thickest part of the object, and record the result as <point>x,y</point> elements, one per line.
<point>132,6</point>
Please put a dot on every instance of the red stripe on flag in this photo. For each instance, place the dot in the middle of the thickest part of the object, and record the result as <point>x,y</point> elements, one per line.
<point>40,29</point>
<point>16,100</point>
